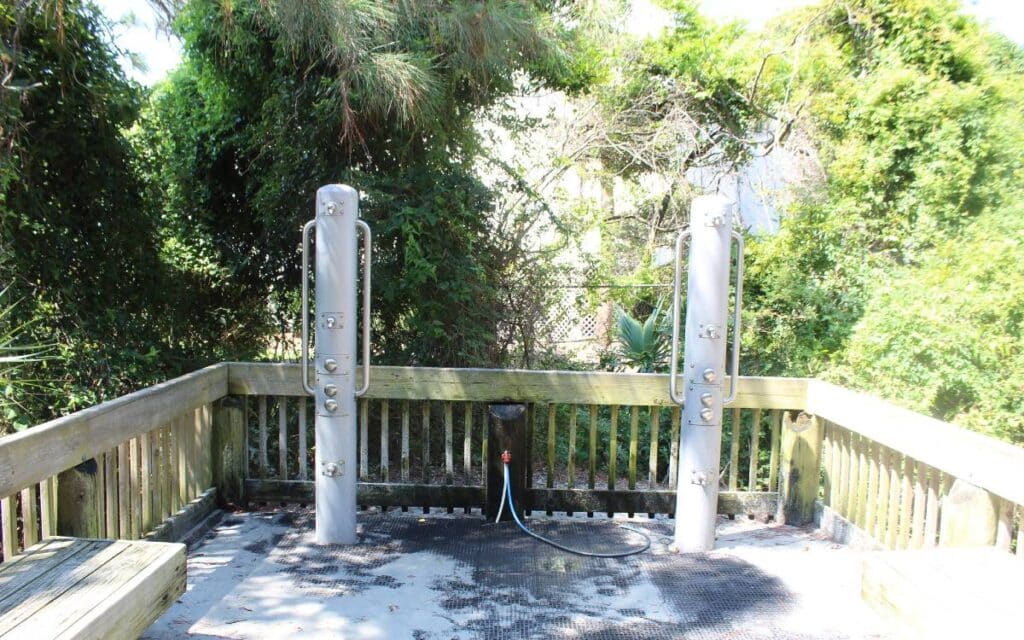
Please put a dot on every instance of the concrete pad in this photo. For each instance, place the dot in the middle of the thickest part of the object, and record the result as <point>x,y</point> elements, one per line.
<point>426,577</point>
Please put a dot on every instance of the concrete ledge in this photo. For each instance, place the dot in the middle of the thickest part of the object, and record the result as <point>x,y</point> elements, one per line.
<point>841,530</point>
<point>180,525</point>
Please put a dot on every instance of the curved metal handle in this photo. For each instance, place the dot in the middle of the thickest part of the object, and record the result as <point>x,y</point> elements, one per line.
<point>304,369</point>
<point>734,376</point>
<point>674,367</point>
<point>367,255</point>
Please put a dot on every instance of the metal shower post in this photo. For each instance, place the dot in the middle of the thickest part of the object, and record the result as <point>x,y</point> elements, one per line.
<point>335,391</point>
<point>703,374</point>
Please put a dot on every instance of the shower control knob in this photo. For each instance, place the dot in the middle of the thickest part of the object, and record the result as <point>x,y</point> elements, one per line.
<point>331,365</point>
<point>331,405</point>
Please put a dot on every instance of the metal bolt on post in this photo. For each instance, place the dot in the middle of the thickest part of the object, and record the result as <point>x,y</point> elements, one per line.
<point>710,234</point>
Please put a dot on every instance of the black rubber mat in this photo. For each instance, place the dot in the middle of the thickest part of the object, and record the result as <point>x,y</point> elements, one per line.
<point>520,588</point>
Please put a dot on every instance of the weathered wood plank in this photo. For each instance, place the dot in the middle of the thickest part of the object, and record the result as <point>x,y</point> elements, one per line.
<point>405,441</point>
<point>467,439</point>
<point>146,487</point>
<point>734,449</point>
<point>571,463</point>
<point>634,443</point>
<point>592,450</point>
<point>22,570</point>
<point>110,512</point>
<point>613,447</point>
<point>773,461</point>
<point>391,494</point>
<point>627,501</point>
<point>801,457</point>
<point>426,439</point>
<point>282,437</point>
<point>261,413</point>
<point>755,451</point>
<point>552,435</point>
<point>673,462</point>
<point>48,506</point>
<point>654,413</point>
<point>8,528</point>
<point>29,513</point>
<point>385,460</point>
<point>303,444</point>
<point>124,489</point>
<point>31,455</point>
<point>931,510</point>
<point>504,385</point>
<point>449,443</point>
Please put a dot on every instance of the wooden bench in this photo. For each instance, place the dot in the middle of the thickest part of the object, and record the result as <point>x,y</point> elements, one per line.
<point>99,589</point>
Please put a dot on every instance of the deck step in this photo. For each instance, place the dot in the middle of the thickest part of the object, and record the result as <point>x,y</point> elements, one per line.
<point>946,593</point>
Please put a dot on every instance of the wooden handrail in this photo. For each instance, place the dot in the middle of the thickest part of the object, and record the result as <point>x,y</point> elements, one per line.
<point>496,385</point>
<point>35,454</point>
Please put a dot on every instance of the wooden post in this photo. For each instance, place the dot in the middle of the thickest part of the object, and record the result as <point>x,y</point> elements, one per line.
<point>229,455</point>
<point>506,430</point>
<point>799,470</point>
<point>80,500</point>
<point>970,517</point>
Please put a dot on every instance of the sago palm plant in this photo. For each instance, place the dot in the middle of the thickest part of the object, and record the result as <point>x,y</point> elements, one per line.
<point>642,346</point>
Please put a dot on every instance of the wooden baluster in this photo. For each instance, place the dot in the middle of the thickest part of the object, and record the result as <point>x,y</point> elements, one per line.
<point>303,445</point>
<point>634,445</point>
<point>920,490</point>
<point>862,480</point>
<point>124,474</point>
<point>853,506</point>
<point>883,494</point>
<point>405,441</point>
<point>110,493</point>
<point>1019,517</point>
<point>170,495</point>
<point>364,438</point>
<point>146,491</point>
<point>467,442</point>
<point>931,509</point>
<point>261,412</point>
<point>135,482</point>
<point>29,516</point>
<point>734,450</point>
<point>755,451</point>
<point>552,435</point>
<point>893,517</point>
<point>592,452</point>
<point>181,458</point>
<point>426,441</point>
<point>871,499</point>
<point>484,428</point>
<point>652,458</point>
<point>8,528</point>
<point>828,443</point>
<point>48,506</point>
<point>773,459</point>
<point>282,437</point>
<point>834,464</point>
<point>906,502</point>
<point>385,455</point>
<point>673,460</point>
<point>571,466</point>
<point>449,453</point>
<point>613,447</point>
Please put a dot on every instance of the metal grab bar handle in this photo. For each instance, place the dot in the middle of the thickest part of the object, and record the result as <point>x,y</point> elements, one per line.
<point>734,376</point>
<point>304,369</point>
<point>674,366</point>
<point>367,260</point>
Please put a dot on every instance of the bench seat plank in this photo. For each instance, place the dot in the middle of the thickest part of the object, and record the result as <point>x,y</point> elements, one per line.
<point>77,589</point>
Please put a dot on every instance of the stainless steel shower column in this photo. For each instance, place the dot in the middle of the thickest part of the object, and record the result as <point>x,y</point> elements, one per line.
<point>703,374</point>
<point>334,390</point>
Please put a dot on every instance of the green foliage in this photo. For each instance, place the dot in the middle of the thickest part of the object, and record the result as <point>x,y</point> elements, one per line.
<point>274,100</point>
<point>644,347</point>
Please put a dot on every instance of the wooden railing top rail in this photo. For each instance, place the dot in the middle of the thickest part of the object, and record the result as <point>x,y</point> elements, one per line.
<point>983,461</point>
<point>496,385</point>
<point>40,452</point>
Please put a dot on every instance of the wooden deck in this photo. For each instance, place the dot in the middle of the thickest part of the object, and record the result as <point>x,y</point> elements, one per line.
<point>76,588</point>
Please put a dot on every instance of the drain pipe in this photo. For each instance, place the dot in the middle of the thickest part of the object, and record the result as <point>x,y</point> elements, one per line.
<point>710,234</point>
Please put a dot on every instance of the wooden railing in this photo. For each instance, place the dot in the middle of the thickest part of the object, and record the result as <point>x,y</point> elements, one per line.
<point>151,462</point>
<point>907,481</point>
<point>123,469</point>
<point>614,435</point>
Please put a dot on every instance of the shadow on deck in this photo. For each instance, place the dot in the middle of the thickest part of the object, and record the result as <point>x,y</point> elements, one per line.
<point>259,575</point>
